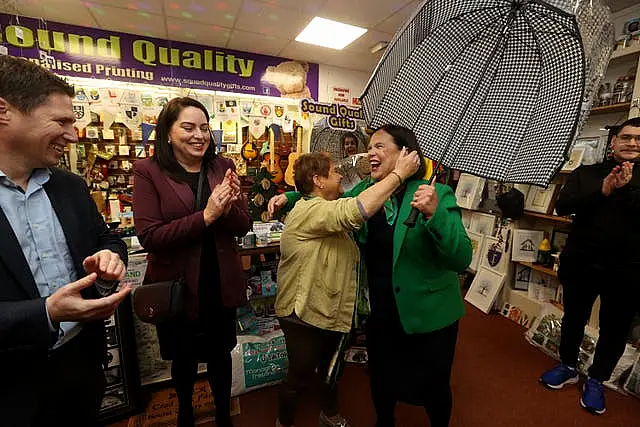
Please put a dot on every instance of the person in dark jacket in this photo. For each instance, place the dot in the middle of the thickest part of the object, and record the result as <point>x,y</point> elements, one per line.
<point>195,243</point>
<point>59,265</point>
<point>601,258</point>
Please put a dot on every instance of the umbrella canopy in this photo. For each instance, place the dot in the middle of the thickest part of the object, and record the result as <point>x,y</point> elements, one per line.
<point>490,87</point>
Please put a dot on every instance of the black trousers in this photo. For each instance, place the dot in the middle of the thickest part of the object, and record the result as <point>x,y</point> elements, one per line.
<point>308,349</point>
<point>619,292</point>
<point>413,368</point>
<point>209,340</point>
<point>72,391</point>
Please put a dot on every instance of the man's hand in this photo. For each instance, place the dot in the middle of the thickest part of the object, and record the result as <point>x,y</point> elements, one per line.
<point>276,203</point>
<point>617,178</point>
<point>106,264</point>
<point>68,305</point>
<point>425,199</point>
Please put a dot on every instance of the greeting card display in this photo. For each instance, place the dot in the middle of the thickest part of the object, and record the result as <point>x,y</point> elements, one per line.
<point>484,289</point>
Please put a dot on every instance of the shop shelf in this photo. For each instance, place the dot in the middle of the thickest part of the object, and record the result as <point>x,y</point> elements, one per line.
<point>539,268</point>
<point>549,217</point>
<point>621,53</point>
<point>269,249</point>
<point>615,108</point>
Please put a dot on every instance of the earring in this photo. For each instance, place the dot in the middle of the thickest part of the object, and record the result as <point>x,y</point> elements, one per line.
<point>322,187</point>
<point>169,141</point>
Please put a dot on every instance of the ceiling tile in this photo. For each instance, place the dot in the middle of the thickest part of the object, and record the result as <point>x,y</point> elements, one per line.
<point>256,43</point>
<point>63,11</point>
<point>393,22</point>
<point>149,6</point>
<point>129,21</point>
<point>360,62</point>
<point>363,13</point>
<point>307,52</point>
<point>306,6</point>
<point>364,43</point>
<point>261,26</point>
<point>194,32</point>
<point>217,12</point>
<point>345,59</point>
<point>260,17</point>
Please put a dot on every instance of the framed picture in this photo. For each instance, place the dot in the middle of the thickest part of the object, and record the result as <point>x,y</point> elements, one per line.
<point>540,199</point>
<point>114,397</point>
<point>113,357</point>
<point>575,159</point>
<point>522,277</point>
<point>92,132</point>
<point>559,239</point>
<point>112,336</point>
<point>113,376</point>
<point>594,149</point>
<point>494,255</point>
<point>482,223</point>
<point>469,191</point>
<point>523,188</point>
<point>466,218</point>
<point>229,132</point>
<point>525,245</point>
<point>542,287</point>
<point>484,289</point>
<point>477,241</point>
<point>356,355</point>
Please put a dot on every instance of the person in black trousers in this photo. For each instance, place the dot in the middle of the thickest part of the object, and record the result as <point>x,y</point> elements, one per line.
<point>59,264</point>
<point>601,258</point>
<point>187,210</point>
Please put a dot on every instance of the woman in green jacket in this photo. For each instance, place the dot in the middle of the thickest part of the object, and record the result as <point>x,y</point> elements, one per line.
<point>413,285</point>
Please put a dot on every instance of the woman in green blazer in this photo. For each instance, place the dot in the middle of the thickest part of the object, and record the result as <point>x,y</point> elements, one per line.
<point>413,284</point>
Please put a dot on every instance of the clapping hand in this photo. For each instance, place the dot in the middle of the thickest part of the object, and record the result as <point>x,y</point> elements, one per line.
<point>232,180</point>
<point>618,177</point>
<point>222,197</point>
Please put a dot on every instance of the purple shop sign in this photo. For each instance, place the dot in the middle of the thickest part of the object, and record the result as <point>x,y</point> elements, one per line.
<point>71,50</point>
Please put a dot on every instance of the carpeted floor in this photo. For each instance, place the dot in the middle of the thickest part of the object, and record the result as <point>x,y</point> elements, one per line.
<point>494,385</point>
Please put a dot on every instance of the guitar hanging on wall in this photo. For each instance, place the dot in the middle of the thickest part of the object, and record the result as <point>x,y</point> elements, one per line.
<point>249,149</point>
<point>272,159</point>
<point>289,173</point>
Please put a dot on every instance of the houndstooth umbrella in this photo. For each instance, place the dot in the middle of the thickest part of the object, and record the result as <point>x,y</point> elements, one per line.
<point>490,87</point>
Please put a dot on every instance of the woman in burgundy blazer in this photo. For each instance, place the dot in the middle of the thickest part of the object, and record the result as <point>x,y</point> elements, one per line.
<point>196,243</point>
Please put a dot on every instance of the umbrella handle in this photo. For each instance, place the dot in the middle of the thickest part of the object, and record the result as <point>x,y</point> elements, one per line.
<point>411,220</point>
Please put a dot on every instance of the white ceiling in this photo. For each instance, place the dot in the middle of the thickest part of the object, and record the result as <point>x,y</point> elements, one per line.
<point>260,26</point>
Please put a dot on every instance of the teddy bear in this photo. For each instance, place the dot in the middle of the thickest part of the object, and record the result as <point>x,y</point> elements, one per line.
<point>290,78</point>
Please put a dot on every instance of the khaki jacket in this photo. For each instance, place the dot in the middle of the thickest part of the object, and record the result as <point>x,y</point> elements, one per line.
<point>318,270</point>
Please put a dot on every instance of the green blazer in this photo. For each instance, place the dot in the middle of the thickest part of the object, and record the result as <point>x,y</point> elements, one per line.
<point>426,260</point>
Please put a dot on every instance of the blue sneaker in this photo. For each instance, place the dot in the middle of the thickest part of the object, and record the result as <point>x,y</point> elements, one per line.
<point>557,377</point>
<point>593,397</point>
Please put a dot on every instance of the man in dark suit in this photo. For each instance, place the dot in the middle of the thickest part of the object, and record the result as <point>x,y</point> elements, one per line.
<point>55,245</point>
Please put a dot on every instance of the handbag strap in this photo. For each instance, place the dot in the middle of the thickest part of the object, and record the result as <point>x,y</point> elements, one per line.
<point>200,184</point>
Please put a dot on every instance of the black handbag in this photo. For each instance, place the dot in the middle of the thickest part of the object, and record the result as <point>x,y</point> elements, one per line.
<point>159,302</point>
<point>164,301</point>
